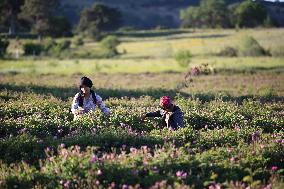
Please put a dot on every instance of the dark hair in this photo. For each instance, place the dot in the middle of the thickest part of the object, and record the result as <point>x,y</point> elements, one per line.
<point>86,81</point>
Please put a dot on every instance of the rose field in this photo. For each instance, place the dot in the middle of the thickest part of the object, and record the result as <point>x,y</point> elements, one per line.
<point>233,113</point>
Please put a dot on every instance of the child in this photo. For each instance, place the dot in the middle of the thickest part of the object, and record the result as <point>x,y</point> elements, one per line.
<point>171,114</point>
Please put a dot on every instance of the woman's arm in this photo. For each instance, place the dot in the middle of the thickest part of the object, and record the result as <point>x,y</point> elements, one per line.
<point>102,105</point>
<point>75,104</point>
<point>151,114</point>
<point>154,114</point>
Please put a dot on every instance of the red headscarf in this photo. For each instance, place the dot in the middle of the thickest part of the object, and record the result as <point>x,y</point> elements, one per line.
<point>165,101</point>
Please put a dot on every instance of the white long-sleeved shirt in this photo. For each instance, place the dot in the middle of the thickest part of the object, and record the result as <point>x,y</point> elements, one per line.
<point>88,105</point>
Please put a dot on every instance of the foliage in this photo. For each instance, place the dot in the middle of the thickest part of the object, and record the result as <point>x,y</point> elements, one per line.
<point>210,13</point>
<point>99,18</point>
<point>183,57</point>
<point>250,14</point>
<point>215,14</point>
<point>250,47</point>
<point>39,13</point>
<point>228,52</point>
<point>110,44</point>
<point>221,144</point>
<point>49,47</point>
<point>78,41</point>
<point>32,48</point>
<point>59,27</point>
<point>3,47</point>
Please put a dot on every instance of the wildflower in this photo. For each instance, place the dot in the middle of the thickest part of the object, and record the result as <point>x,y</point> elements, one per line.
<point>48,149</point>
<point>232,159</point>
<point>181,174</point>
<point>124,186</point>
<point>94,159</point>
<point>60,130</point>
<point>62,145</point>
<point>97,182</point>
<point>237,128</point>
<point>66,184</point>
<point>133,150</point>
<point>255,136</point>
<point>64,153</point>
<point>99,172</point>
<point>123,146</point>
<point>112,185</point>
<point>94,130</point>
<point>274,168</point>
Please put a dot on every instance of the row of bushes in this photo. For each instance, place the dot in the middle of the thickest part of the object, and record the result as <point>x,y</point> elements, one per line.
<point>52,48</point>
<point>49,48</point>
<point>224,144</point>
<point>254,165</point>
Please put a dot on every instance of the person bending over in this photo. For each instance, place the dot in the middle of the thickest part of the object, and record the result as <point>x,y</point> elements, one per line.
<point>170,113</point>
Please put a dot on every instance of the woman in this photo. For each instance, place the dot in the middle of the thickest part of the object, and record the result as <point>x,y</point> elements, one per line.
<point>170,113</point>
<point>86,100</point>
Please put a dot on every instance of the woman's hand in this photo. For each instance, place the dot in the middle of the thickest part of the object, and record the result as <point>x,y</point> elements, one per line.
<point>79,111</point>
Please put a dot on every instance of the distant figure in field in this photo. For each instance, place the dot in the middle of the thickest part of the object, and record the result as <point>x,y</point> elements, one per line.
<point>170,113</point>
<point>86,100</point>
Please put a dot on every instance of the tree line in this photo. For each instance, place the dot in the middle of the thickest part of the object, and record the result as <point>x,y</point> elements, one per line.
<point>45,18</point>
<point>217,14</point>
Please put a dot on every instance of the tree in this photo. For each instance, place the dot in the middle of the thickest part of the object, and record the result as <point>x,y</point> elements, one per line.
<point>214,13</point>
<point>99,18</point>
<point>60,26</point>
<point>9,10</point>
<point>210,13</point>
<point>191,17</point>
<point>39,13</point>
<point>3,47</point>
<point>250,14</point>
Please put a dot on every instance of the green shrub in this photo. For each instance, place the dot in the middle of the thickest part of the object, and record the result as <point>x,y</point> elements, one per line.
<point>250,47</point>
<point>54,48</point>
<point>49,44</point>
<point>32,48</point>
<point>109,44</point>
<point>63,45</point>
<point>78,41</point>
<point>228,52</point>
<point>3,47</point>
<point>183,57</point>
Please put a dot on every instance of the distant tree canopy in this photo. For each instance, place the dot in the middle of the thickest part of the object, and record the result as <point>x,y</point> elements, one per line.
<point>39,14</point>
<point>9,10</point>
<point>99,18</point>
<point>215,13</point>
<point>210,13</point>
<point>34,15</point>
<point>250,14</point>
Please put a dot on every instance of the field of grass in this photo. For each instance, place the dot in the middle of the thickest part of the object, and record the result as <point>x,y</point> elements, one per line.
<point>234,116</point>
<point>154,52</point>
